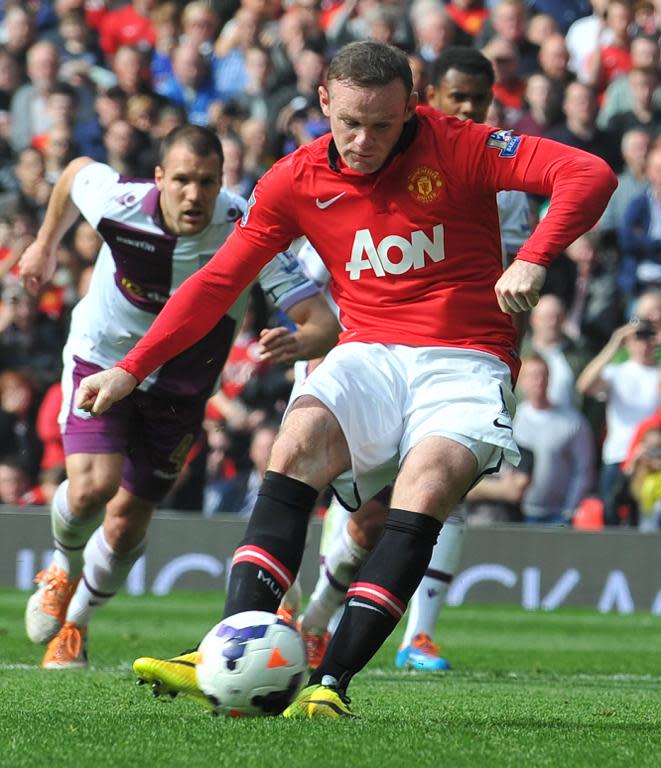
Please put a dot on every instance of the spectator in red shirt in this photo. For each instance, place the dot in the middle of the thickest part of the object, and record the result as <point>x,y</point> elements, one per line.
<point>128,25</point>
<point>540,113</point>
<point>468,15</point>
<point>651,422</point>
<point>614,59</point>
<point>48,429</point>
<point>508,88</point>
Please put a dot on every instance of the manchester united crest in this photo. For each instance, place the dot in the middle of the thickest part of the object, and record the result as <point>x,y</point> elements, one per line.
<point>424,184</point>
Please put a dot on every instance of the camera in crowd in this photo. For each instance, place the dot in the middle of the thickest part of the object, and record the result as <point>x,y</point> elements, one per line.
<point>644,328</point>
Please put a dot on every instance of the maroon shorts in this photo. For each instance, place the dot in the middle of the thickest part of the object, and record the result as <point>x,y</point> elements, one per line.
<point>153,432</point>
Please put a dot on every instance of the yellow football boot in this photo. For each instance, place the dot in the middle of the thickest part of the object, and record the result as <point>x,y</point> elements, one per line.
<point>319,701</point>
<point>170,677</point>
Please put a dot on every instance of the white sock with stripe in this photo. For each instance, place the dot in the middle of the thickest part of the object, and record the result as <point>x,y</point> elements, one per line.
<point>340,567</point>
<point>70,533</point>
<point>104,573</point>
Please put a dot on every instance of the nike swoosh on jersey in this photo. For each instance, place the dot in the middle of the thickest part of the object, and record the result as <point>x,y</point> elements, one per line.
<point>325,203</point>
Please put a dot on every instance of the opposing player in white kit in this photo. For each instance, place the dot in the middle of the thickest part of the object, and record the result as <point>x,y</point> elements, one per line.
<point>156,234</point>
<point>461,84</point>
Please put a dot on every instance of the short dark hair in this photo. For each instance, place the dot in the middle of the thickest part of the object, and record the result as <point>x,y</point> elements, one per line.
<point>15,461</point>
<point>200,140</point>
<point>73,14</point>
<point>469,61</point>
<point>367,62</point>
<point>168,109</point>
<point>114,93</point>
<point>65,89</point>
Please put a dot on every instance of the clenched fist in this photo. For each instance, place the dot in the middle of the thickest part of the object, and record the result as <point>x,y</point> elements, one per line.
<point>99,391</point>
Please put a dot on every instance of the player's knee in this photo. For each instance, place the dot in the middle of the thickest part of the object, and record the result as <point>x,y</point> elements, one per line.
<point>125,532</point>
<point>366,524</point>
<point>286,455</point>
<point>312,449</point>
<point>87,495</point>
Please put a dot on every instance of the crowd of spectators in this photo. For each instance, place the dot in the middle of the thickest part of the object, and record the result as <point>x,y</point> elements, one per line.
<point>108,79</point>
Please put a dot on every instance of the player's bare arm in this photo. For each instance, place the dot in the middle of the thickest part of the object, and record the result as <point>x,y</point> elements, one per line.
<point>39,260</point>
<point>316,333</point>
<point>99,391</point>
<point>508,487</point>
<point>518,288</point>
<point>590,381</point>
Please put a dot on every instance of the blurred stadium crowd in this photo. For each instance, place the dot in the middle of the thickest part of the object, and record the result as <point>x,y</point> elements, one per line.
<point>109,79</point>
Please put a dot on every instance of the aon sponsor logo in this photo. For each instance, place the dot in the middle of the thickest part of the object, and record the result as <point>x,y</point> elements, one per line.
<point>394,255</point>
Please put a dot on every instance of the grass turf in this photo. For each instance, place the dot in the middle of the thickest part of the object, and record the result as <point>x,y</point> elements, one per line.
<point>568,688</point>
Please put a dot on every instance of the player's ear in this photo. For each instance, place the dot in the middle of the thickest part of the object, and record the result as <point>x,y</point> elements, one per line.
<point>430,93</point>
<point>158,176</point>
<point>324,100</point>
<point>412,104</point>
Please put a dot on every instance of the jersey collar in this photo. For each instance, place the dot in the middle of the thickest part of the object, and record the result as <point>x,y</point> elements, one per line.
<point>150,201</point>
<point>403,143</point>
<point>151,206</point>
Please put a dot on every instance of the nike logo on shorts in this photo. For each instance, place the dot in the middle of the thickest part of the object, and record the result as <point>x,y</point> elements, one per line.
<point>325,203</point>
<point>497,423</point>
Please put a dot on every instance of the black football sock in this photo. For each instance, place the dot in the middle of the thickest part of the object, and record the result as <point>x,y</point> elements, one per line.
<point>266,562</point>
<point>377,599</point>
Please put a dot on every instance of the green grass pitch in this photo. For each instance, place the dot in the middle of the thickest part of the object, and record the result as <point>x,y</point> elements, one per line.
<point>565,689</point>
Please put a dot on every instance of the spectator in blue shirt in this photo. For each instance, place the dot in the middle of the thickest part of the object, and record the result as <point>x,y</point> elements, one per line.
<point>191,84</point>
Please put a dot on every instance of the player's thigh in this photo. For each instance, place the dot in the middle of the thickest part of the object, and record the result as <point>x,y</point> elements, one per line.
<point>434,476</point>
<point>161,435</point>
<point>458,425</point>
<point>311,445</point>
<point>462,392</point>
<point>94,478</point>
<point>365,389</point>
<point>93,446</point>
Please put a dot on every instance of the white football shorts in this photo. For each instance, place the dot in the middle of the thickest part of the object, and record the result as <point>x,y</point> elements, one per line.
<point>389,397</point>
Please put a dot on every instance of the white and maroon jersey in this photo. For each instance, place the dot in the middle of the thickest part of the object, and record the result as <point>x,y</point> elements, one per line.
<point>514,216</point>
<point>141,264</point>
<point>413,250</point>
<point>316,270</point>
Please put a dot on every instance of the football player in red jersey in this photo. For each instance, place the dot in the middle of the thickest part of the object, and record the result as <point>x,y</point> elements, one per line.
<point>460,84</point>
<point>400,202</point>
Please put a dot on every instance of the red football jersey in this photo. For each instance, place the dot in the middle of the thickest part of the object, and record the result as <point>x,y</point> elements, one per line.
<point>413,250</point>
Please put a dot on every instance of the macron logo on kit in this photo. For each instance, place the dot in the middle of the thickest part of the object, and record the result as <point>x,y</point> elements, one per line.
<point>140,244</point>
<point>394,255</point>
<point>325,203</point>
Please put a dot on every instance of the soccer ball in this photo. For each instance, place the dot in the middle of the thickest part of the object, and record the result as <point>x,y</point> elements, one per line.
<point>251,663</point>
